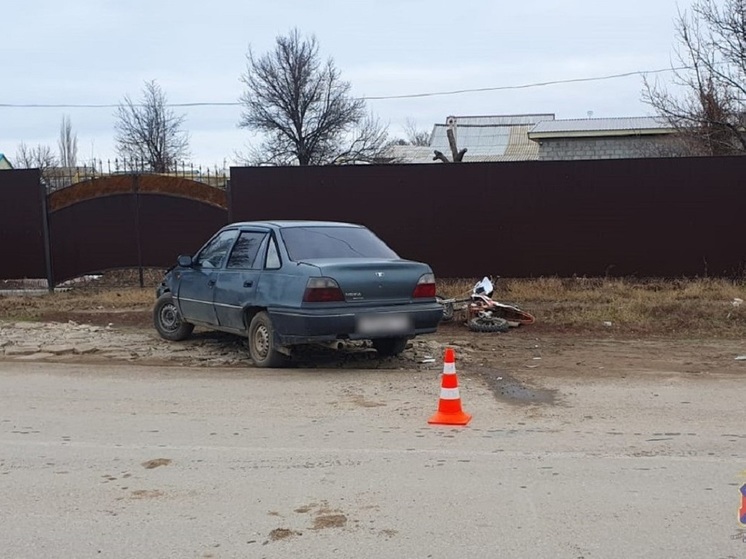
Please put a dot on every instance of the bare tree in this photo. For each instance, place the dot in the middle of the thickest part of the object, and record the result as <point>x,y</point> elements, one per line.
<point>708,109</point>
<point>414,135</point>
<point>457,154</point>
<point>68,144</point>
<point>150,133</point>
<point>304,109</point>
<point>366,143</point>
<point>39,157</point>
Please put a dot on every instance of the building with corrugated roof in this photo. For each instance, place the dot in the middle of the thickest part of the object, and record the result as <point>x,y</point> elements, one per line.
<point>542,137</point>
<point>4,163</point>
<point>486,138</point>
<point>602,138</point>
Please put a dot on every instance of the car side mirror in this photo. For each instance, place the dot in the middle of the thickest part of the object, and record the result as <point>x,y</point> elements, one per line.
<point>185,261</point>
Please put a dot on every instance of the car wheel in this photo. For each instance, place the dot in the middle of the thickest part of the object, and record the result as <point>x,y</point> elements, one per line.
<point>388,347</point>
<point>168,321</point>
<point>262,342</point>
<point>484,324</point>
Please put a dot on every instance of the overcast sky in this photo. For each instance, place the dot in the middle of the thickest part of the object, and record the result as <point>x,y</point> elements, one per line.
<point>97,51</point>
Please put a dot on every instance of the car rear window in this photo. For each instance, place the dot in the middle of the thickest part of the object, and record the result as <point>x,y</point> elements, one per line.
<point>309,243</point>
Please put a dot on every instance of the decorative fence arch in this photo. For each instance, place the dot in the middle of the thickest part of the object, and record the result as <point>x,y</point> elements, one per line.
<point>130,221</point>
<point>107,222</point>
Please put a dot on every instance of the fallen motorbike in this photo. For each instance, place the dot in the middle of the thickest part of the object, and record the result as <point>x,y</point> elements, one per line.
<point>483,314</point>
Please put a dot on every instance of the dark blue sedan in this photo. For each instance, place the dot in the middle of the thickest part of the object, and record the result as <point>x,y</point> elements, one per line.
<point>287,283</point>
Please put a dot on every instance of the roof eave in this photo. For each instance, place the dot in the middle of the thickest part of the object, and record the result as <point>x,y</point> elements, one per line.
<point>535,136</point>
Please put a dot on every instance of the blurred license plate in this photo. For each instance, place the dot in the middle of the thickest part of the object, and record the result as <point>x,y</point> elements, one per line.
<point>383,324</point>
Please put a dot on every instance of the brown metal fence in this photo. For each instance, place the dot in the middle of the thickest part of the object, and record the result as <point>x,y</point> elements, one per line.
<point>22,225</point>
<point>642,217</point>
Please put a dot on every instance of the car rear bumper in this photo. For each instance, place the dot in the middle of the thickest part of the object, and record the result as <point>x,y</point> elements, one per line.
<point>299,326</point>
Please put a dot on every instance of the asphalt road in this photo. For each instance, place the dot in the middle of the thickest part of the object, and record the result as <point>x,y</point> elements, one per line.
<point>137,461</point>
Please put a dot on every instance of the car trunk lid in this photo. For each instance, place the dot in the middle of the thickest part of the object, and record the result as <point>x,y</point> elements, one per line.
<point>380,281</point>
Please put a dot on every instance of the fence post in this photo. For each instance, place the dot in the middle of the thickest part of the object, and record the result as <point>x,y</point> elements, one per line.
<point>45,234</point>
<point>136,191</point>
<point>229,200</point>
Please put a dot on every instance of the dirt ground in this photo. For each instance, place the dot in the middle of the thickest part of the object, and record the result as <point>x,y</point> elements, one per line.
<point>531,351</point>
<point>104,424</point>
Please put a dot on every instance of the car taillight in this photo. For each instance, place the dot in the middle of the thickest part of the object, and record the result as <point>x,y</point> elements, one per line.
<point>322,290</point>
<point>425,287</point>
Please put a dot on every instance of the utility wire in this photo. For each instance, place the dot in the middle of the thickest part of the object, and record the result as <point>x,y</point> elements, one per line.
<point>526,86</point>
<point>366,98</point>
<point>110,106</point>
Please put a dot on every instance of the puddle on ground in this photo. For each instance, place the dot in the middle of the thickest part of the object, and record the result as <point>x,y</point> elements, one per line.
<point>509,389</point>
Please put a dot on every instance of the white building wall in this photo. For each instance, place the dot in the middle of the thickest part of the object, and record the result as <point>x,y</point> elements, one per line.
<point>620,147</point>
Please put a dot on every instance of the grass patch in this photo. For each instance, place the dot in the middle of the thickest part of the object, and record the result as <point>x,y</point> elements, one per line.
<point>114,291</point>
<point>86,299</point>
<point>682,307</point>
<point>656,307</point>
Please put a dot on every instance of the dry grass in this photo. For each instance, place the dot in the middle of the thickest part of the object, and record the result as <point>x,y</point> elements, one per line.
<point>78,300</point>
<point>678,308</point>
<point>116,291</point>
<point>701,307</point>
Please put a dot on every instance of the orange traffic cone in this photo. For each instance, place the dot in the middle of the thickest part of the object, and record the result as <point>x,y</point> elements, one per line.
<point>449,407</point>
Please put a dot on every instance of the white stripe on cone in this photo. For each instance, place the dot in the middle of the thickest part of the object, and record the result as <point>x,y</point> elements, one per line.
<point>449,394</point>
<point>449,368</point>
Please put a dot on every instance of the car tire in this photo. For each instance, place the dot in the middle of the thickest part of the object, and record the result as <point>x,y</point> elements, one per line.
<point>493,324</point>
<point>388,347</point>
<point>262,342</point>
<point>168,321</point>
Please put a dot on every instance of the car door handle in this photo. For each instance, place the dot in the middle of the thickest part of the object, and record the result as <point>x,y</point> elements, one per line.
<point>248,283</point>
<point>210,283</point>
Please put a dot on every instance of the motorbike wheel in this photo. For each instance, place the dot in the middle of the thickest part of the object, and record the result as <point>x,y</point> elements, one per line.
<point>492,324</point>
<point>513,314</point>
<point>447,309</point>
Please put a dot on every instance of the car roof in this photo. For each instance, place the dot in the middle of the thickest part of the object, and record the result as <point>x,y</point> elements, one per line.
<point>279,224</point>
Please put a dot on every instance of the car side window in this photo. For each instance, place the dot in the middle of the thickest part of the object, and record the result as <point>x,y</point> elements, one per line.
<point>213,254</point>
<point>273,256</point>
<point>246,249</point>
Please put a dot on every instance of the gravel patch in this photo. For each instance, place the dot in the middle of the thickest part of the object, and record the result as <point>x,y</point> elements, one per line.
<point>70,341</point>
